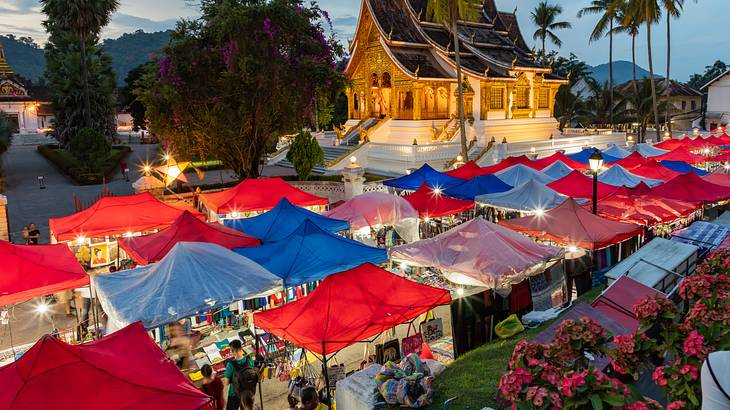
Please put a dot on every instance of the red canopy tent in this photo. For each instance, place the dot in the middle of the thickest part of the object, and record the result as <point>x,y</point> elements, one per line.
<point>510,161</point>
<point>35,270</point>
<point>654,170</point>
<point>349,307</point>
<point>124,370</point>
<point>632,161</point>
<point>718,179</point>
<point>691,187</point>
<point>716,141</point>
<point>648,209</point>
<point>433,204</point>
<point>640,189</point>
<point>467,171</point>
<point>571,224</point>
<point>618,301</point>
<point>559,156</point>
<point>151,248</point>
<point>578,185</point>
<point>681,154</point>
<point>724,138</point>
<point>255,195</point>
<point>117,215</point>
<point>722,157</point>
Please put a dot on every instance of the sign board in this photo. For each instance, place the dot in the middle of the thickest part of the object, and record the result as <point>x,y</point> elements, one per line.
<point>432,330</point>
<point>335,374</point>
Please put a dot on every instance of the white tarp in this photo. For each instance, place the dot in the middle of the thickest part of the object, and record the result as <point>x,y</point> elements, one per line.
<point>375,209</point>
<point>528,197</point>
<point>192,277</point>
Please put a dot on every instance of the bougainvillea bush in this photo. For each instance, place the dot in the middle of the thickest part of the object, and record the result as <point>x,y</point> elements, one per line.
<point>682,341</point>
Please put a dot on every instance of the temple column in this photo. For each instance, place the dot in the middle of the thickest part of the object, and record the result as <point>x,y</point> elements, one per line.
<point>417,100</point>
<point>350,102</point>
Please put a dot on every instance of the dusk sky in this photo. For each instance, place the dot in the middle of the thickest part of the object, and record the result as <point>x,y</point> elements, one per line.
<point>699,37</point>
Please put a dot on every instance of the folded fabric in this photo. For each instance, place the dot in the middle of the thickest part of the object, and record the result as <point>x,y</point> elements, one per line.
<point>407,383</point>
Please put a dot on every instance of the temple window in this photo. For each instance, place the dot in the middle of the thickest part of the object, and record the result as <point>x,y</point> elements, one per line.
<point>544,98</point>
<point>684,105</point>
<point>693,104</point>
<point>496,98</point>
<point>374,81</point>
<point>522,99</point>
<point>405,105</point>
<point>385,82</point>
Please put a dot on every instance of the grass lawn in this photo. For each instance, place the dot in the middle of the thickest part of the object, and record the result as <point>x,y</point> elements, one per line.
<point>474,377</point>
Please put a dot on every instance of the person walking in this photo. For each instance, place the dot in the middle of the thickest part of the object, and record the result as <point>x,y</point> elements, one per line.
<point>34,235</point>
<point>234,369</point>
<point>124,169</point>
<point>212,386</point>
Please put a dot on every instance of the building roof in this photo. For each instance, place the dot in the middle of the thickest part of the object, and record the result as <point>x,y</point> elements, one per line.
<point>676,89</point>
<point>16,88</point>
<point>709,83</point>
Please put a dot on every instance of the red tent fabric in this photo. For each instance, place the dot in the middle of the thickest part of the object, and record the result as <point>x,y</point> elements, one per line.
<point>632,161</point>
<point>559,156</point>
<point>151,248</point>
<point>716,141</point>
<point>116,215</point>
<point>618,301</point>
<point>433,204</point>
<point>510,161</point>
<point>681,154</point>
<point>255,195</point>
<point>648,209</point>
<point>722,157</point>
<point>578,185</point>
<point>691,187</point>
<point>724,138</point>
<point>655,170</point>
<point>30,271</point>
<point>718,179</point>
<point>124,370</point>
<point>570,224</point>
<point>349,307</point>
<point>467,171</point>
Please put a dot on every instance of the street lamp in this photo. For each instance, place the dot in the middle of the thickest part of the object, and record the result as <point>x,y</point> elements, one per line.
<point>596,163</point>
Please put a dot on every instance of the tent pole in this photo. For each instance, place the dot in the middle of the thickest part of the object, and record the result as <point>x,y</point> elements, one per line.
<point>326,376</point>
<point>93,311</point>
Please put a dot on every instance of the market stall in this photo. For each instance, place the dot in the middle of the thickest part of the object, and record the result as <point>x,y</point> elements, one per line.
<point>557,170</point>
<point>585,153</point>
<point>253,196</point>
<point>467,171</point>
<point>193,277</point>
<point>578,185</point>
<point>616,151</point>
<point>632,161</point>
<point>618,301</point>
<point>619,176</point>
<point>511,161</point>
<point>311,254</point>
<point>649,151</point>
<point>121,371</point>
<point>423,175</point>
<point>559,156</point>
<point>437,211</point>
<point>282,220</point>
<point>378,212</point>
<point>517,175</point>
<point>479,185</point>
<point>188,228</point>
<point>654,170</point>
<point>682,167</point>
<point>691,187</point>
<point>681,154</point>
<point>528,198</point>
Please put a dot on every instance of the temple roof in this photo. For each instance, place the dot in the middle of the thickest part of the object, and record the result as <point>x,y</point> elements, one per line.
<point>491,45</point>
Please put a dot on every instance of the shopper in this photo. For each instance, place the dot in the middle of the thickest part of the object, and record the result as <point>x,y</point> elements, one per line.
<point>292,402</point>
<point>310,400</point>
<point>34,235</point>
<point>26,235</point>
<point>212,386</point>
<point>180,349</point>
<point>234,372</point>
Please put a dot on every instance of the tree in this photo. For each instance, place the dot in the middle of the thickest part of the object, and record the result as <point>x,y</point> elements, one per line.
<point>6,131</point>
<point>631,27</point>
<point>640,106</point>
<point>698,81</point>
<point>65,82</point>
<point>305,153</point>
<point>646,12</point>
<point>449,12</point>
<point>84,19</point>
<point>600,106</point>
<point>135,107</point>
<point>90,147</point>
<point>607,9</point>
<point>569,108</point>
<point>570,68</point>
<point>544,17</point>
<point>230,83</point>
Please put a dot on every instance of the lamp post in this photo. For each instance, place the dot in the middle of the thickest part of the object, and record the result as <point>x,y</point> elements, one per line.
<point>596,163</point>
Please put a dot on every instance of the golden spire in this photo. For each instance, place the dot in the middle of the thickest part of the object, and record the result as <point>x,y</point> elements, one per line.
<point>4,67</point>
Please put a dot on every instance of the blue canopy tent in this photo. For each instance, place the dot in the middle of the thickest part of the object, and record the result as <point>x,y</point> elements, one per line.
<point>582,156</point>
<point>517,175</point>
<point>648,151</point>
<point>311,253</point>
<point>616,151</point>
<point>282,220</point>
<point>557,170</point>
<point>485,184</point>
<point>426,174</point>
<point>531,196</point>
<point>619,176</point>
<point>192,277</point>
<point>683,167</point>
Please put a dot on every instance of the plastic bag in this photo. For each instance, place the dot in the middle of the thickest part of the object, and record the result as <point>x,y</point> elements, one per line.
<point>509,327</point>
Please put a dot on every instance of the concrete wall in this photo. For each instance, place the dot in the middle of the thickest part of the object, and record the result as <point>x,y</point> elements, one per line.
<point>718,95</point>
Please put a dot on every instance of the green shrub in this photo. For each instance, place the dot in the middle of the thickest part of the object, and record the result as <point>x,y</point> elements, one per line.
<point>65,161</point>
<point>304,154</point>
<point>90,147</point>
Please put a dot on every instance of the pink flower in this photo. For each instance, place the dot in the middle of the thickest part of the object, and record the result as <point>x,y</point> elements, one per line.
<point>676,405</point>
<point>658,376</point>
<point>638,405</point>
<point>540,396</point>
<point>555,398</point>
<point>694,344</point>
<point>572,381</point>
<point>693,371</point>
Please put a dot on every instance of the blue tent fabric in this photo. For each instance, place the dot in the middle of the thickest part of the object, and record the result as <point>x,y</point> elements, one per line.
<point>557,170</point>
<point>582,156</point>
<point>310,253</point>
<point>617,175</point>
<point>480,185</point>
<point>282,220</point>
<point>192,277</point>
<point>517,175</point>
<point>528,197</point>
<point>683,167</point>
<point>426,174</point>
<point>647,151</point>
<point>616,151</point>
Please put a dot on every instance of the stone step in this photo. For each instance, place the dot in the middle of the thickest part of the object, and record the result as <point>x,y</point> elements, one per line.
<point>32,139</point>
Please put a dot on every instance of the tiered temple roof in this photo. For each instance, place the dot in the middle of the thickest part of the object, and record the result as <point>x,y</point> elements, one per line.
<point>490,46</point>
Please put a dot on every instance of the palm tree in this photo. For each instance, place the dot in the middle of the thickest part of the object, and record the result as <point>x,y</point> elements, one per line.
<point>630,27</point>
<point>674,8</point>
<point>607,9</point>
<point>646,12</point>
<point>640,106</point>
<point>449,12</point>
<point>569,108</point>
<point>83,18</point>
<point>544,17</point>
<point>600,106</point>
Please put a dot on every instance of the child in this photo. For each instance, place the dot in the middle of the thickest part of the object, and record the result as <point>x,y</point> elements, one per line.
<point>212,386</point>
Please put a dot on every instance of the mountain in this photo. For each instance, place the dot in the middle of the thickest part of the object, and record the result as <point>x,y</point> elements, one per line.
<point>126,52</point>
<point>622,72</point>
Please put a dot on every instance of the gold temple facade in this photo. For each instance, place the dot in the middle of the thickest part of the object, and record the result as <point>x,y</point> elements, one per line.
<point>403,70</point>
